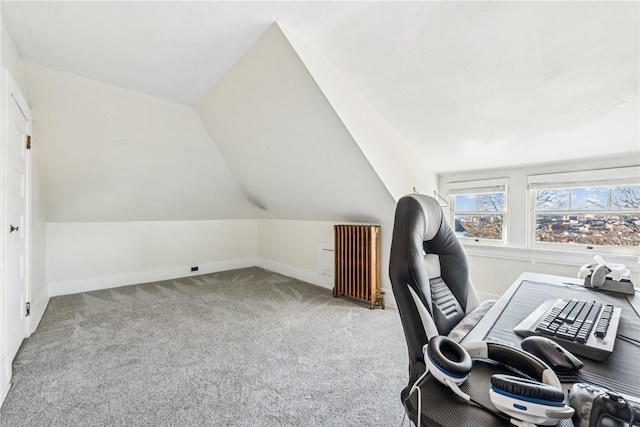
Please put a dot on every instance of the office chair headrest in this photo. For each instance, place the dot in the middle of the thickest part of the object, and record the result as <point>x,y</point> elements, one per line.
<point>432,214</point>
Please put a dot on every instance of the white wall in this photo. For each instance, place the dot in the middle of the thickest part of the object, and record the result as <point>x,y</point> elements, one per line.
<point>110,154</point>
<point>397,164</point>
<point>10,59</point>
<point>285,143</point>
<point>292,248</point>
<point>492,277</point>
<point>89,256</point>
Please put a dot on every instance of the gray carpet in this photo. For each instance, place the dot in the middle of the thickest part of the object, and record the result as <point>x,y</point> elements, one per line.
<point>238,348</point>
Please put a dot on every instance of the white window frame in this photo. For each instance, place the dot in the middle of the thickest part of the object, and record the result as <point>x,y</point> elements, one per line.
<point>595,178</point>
<point>479,187</point>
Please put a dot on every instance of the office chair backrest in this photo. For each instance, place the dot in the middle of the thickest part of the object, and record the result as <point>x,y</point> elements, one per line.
<point>433,293</point>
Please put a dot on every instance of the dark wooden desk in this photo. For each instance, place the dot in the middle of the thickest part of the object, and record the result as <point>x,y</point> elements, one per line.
<point>621,371</point>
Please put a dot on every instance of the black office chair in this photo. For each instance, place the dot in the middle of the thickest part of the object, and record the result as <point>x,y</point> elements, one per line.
<point>430,279</point>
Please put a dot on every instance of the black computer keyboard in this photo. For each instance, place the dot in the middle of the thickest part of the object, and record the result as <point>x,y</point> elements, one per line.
<point>586,328</point>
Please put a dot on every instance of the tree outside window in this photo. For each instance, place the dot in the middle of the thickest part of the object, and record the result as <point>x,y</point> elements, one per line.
<point>479,215</point>
<point>602,215</point>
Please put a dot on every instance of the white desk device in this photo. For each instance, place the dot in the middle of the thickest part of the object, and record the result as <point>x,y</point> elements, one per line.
<point>605,276</point>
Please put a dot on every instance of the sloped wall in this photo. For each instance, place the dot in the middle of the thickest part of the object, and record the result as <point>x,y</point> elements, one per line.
<point>399,167</point>
<point>285,143</point>
<point>109,154</point>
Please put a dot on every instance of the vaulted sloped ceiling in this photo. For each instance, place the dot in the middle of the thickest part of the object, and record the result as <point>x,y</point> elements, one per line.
<point>289,149</point>
<point>109,154</point>
<point>281,135</point>
<point>397,164</point>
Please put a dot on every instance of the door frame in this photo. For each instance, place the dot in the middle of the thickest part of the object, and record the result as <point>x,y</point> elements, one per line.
<point>8,90</point>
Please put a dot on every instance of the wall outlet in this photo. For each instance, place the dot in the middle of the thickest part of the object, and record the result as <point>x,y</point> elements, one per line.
<point>194,268</point>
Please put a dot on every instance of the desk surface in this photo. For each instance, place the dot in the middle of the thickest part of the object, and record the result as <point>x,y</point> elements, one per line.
<point>621,371</point>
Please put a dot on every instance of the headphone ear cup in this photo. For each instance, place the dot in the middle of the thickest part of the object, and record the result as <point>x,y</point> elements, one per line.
<point>526,388</point>
<point>528,400</point>
<point>448,357</point>
<point>599,275</point>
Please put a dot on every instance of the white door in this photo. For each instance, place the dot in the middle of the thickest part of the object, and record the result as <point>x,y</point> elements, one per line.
<point>16,265</point>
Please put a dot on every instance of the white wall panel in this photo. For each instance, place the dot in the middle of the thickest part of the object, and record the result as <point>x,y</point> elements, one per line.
<point>293,248</point>
<point>293,242</point>
<point>492,277</point>
<point>86,256</point>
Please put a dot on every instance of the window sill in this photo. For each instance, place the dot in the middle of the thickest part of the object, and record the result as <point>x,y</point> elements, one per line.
<point>549,256</point>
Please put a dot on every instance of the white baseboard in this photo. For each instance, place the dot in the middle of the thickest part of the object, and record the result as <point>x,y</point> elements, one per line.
<point>313,277</point>
<point>106,282</point>
<point>134,278</point>
<point>303,274</point>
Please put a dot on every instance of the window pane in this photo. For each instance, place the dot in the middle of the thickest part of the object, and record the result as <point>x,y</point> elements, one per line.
<point>626,197</point>
<point>466,202</point>
<point>552,200</point>
<point>491,202</point>
<point>592,198</point>
<point>479,226</point>
<point>589,229</point>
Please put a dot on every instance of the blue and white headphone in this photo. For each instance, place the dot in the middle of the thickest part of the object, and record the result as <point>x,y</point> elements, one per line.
<point>538,399</point>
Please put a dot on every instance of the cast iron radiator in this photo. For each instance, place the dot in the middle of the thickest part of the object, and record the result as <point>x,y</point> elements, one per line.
<point>357,263</point>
